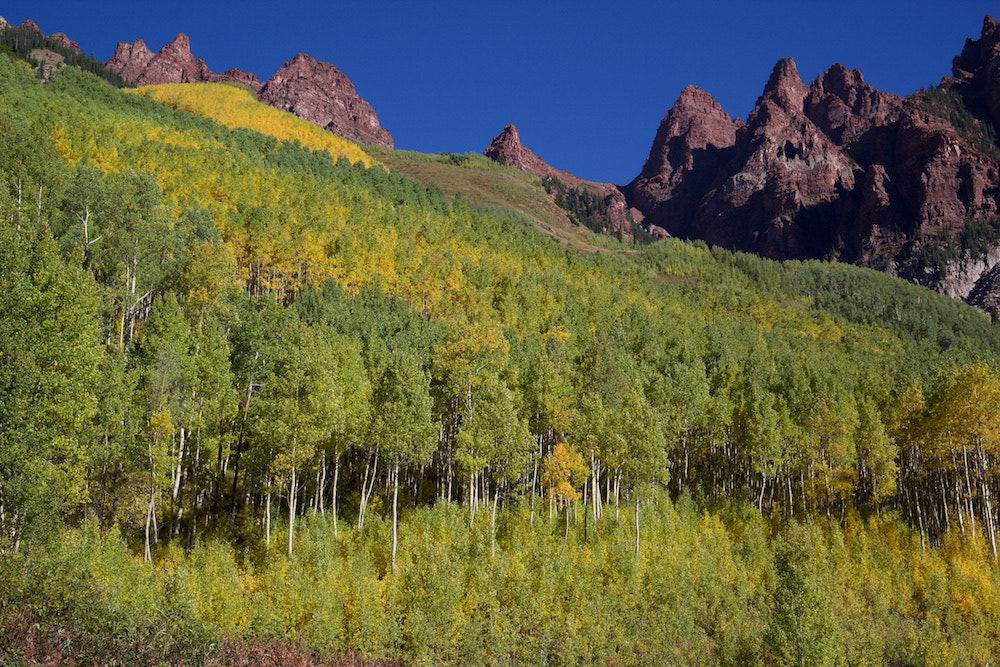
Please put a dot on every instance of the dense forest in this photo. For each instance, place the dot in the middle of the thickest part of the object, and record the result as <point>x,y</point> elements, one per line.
<point>263,400</point>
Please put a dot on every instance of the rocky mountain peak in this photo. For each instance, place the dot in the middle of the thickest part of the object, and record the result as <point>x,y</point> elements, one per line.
<point>837,169</point>
<point>175,64</point>
<point>785,87</point>
<point>507,148</point>
<point>313,90</point>
<point>64,41</point>
<point>509,136</point>
<point>846,108</point>
<point>978,53</point>
<point>130,60</point>
<point>181,45</point>
<point>611,210</point>
<point>695,122</point>
<point>320,93</point>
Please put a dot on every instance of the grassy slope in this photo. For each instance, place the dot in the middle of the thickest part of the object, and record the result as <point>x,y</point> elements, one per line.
<point>494,188</point>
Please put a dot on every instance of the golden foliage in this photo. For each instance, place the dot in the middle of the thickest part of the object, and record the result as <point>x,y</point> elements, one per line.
<point>235,106</point>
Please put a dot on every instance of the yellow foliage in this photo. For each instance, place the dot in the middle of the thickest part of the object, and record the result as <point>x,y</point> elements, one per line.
<point>563,471</point>
<point>235,106</point>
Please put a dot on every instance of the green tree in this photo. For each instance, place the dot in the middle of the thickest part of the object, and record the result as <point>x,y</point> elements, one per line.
<point>402,425</point>
<point>49,359</point>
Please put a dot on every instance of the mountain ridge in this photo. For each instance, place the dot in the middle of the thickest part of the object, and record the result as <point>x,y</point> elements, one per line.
<point>311,89</point>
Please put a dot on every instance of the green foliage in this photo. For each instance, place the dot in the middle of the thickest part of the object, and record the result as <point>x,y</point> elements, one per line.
<point>212,336</point>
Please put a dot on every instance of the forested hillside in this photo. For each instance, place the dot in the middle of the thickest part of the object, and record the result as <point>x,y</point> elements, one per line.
<point>261,396</point>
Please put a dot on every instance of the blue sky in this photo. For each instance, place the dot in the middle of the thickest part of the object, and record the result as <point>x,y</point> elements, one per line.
<point>586,83</point>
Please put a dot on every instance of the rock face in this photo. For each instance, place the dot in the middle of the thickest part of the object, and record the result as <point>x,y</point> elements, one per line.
<point>312,90</point>
<point>64,41</point>
<point>173,64</point>
<point>977,66</point>
<point>130,60</point>
<point>834,170</point>
<point>236,75</point>
<point>321,94</point>
<point>694,139</point>
<point>605,202</point>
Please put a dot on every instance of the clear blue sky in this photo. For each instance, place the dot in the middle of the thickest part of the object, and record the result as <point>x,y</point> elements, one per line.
<point>586,83</point>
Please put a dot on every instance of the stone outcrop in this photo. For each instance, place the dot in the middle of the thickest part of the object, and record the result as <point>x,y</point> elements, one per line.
<point>610,209</point>
<point>236,75</point>
<point>130,60</point>
<point>977,66</point>
<point>321,94</point>
<point>313,90</point>
<point>62,40</point>
<point>173,64</point>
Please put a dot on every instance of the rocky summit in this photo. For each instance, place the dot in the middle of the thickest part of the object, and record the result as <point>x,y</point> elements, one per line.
<point>321,94</point>
<point>606,202</point>
<point>313,90</point>
<point>839,170</point>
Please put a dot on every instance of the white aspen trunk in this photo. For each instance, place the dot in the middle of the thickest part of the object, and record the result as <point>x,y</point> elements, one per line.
<point>636,525</point>
<point>180,468</point>
<point>960,508</point>
<point>493,523</point>
<point>472,498</point>
<point>267,520</point>
<point>150,513</point>
<point>395,518</point>
<point>618,493</point>
<point>291,510</point>
<point>968,488</point>
<point>362,500</point>
<point>534,481</point>
<point>760,498</point>
<point>333,502</point>
<point>366,492</point>
<point>314,503</point>
<point>595,486</point>
<point>322,486</point>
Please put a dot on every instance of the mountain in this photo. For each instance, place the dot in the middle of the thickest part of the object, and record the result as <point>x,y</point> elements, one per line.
<point>321,94</point>
<point>601,206</point>
<point>310,89</point>
<point>838,170</point>
<point>227,341</point>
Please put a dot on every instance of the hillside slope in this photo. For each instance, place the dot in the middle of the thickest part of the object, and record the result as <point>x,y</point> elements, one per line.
<point>256,400</point>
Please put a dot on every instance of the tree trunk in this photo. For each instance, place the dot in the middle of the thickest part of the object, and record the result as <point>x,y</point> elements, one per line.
<point>333,501</point>
<point>366,490</point>
<point>636,525</point>
<point>267,520</point>
<point>395,519</point>
<point>493,523</point>
<point>291,510</point>
<point>150,514</point>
